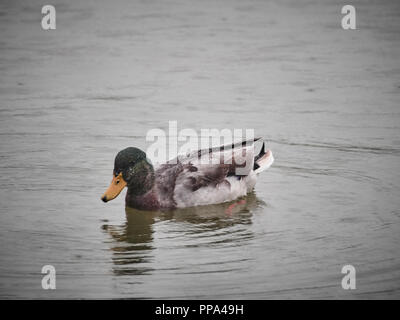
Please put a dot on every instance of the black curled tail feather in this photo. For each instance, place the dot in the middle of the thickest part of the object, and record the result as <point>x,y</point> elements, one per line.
<point>261,153</point>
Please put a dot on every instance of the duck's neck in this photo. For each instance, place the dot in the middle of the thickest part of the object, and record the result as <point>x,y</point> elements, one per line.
<point>143,183</point>
<point>142,195</point>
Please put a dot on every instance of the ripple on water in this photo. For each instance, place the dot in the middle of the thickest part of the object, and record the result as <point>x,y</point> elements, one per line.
<point>183,231</point>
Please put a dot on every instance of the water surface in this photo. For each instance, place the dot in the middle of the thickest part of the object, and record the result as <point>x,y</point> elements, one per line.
<point>326,100</point>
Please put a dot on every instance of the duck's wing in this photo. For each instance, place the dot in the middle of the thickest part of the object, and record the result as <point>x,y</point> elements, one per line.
<point>237,158</point>
<point>209,166</point>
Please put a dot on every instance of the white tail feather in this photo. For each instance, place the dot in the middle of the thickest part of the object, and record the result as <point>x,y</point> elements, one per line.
<point>265,161</point>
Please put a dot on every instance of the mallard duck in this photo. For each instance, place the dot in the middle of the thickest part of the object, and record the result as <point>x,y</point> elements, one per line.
<point>202,177</point>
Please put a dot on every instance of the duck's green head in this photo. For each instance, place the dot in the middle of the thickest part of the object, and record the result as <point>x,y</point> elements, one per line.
<point>131,169</point>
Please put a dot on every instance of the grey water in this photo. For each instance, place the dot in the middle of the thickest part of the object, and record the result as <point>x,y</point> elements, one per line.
<point>326,100</point>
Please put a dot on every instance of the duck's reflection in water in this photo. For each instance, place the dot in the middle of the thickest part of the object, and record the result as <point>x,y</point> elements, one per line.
<point>133,242</point>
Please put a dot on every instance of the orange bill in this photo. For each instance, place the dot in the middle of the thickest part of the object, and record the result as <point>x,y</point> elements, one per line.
<point>115,188</point>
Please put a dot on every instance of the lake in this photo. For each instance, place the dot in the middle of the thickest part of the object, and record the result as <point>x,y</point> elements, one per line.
<point>326,101</point>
